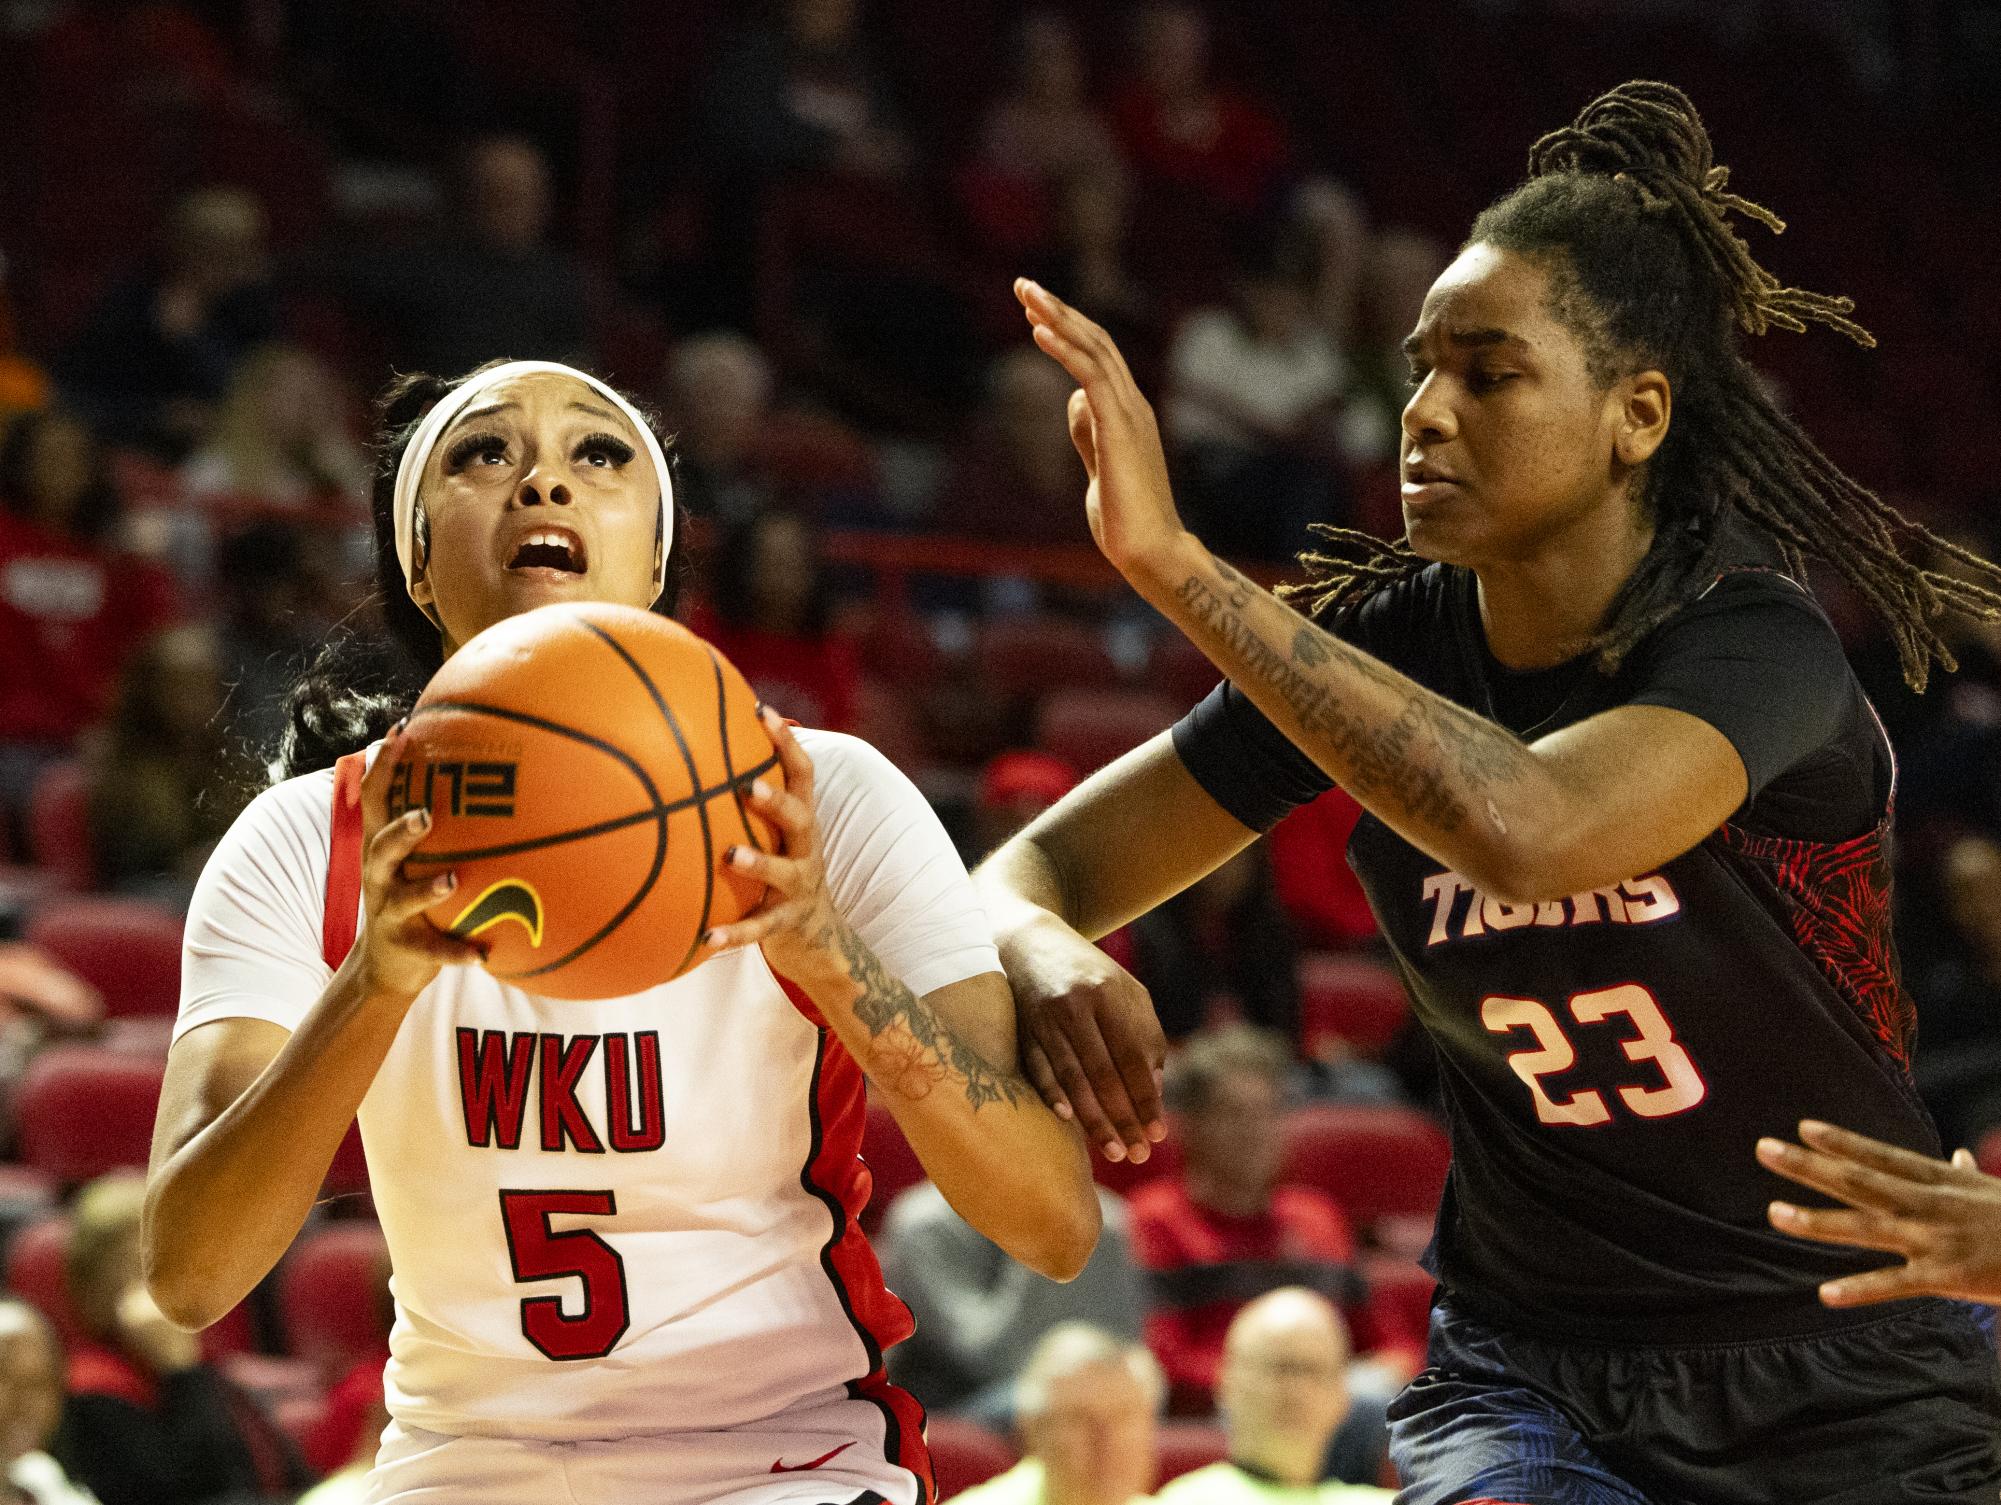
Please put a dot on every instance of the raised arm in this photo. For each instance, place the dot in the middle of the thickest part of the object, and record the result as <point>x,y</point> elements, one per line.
<point>1593,803</point>
<point>251,1114</point>
<point>945,1063</point>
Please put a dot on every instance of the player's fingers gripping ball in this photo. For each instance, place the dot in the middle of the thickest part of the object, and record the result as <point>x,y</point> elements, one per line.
<point>586,766</point>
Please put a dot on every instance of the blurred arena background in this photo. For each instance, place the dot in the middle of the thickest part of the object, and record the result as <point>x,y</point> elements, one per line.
<point>791,226</point>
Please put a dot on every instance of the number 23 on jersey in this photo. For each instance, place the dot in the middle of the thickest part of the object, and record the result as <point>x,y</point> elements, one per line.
<point>1669,1084</point>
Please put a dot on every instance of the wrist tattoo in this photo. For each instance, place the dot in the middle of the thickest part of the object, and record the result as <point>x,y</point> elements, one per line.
<point>911,1049</point>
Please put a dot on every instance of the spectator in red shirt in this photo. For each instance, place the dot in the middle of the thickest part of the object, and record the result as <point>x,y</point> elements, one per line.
<point>1223,1231</point>
<point>770,612</point>
<point>148,1422</point>
<point>1047,187</point>
<point>72,607</point>
<point>1206,160</point>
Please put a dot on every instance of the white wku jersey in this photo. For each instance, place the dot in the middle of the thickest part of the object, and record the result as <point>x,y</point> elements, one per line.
<point>615,1218</point>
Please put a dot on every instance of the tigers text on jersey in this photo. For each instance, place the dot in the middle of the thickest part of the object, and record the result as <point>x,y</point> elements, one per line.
<point>625,1217</point>
<point>1610,1058</point>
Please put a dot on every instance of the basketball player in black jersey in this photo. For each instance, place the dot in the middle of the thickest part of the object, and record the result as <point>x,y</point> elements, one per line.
<point>1625,832</point>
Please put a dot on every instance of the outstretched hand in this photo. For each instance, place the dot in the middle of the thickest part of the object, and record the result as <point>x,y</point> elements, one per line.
<point>1943,1217</point>
<point>1129,501</point>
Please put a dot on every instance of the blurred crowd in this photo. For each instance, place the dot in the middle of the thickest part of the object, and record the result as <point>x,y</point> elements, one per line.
<point>790,228</point>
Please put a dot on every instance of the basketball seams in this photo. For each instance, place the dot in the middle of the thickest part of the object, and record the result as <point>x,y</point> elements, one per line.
<point>731,780</point>
<point>652,793</point>
<point>582,833</point>
<point>694,782</point>
<point>542,723</point>
<point>659,813</point>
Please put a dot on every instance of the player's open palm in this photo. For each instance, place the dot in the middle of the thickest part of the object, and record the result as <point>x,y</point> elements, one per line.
<point>399,950</point>
<point>1129,501</point>
<point>1943,1217</point>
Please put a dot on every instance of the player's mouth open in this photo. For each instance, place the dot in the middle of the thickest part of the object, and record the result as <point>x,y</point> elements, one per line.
<point>553,550</point>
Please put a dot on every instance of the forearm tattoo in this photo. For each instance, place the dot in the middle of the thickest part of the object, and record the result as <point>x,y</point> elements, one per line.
<point>911,1049</point>
<point>1426,759</point>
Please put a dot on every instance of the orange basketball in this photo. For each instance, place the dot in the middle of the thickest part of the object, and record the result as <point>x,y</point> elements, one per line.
<point>586,767</point>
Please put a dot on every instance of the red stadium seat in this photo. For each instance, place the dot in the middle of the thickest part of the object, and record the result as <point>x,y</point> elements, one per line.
<point>232,1335</point>
<point>1360,1001</point>
<point>129,950</point>
<point>59,825</point>
<point>1089,728</point>
<point>1400,1296</point>
<point>1376,1161</point>
<point>964,1453</point>
<point>82,1111</point>
<point>35,1273</point>
<point>348,1175</point>
<point>1188,1445</point>
<point>893,1164</point>
<point>1030,655</point>
<point>331,1291</point>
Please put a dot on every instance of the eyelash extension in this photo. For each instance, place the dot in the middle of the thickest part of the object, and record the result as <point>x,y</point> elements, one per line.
<point>620,452</point>
<point>471,445</point>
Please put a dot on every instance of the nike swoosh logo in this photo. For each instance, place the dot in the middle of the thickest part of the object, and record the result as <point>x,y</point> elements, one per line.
<point>782,1467</point>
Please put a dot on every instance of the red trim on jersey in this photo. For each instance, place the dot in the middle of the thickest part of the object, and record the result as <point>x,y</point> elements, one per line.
<point>834,1173</point>
<point>343,863</point>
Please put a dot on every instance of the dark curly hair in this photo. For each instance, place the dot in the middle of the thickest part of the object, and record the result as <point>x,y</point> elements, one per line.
<point>362,684</point>
<point>1626,210</point>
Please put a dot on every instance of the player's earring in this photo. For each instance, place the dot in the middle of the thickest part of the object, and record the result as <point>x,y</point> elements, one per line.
<point>420,561</point>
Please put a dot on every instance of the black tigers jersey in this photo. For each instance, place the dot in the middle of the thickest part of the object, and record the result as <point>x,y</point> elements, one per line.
<point>1609,1059</point>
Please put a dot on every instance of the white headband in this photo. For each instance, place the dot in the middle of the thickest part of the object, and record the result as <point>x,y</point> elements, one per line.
<point>417,455</point>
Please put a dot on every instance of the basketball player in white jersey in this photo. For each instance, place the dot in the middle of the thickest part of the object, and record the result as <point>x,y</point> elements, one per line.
<point>626,1263</point>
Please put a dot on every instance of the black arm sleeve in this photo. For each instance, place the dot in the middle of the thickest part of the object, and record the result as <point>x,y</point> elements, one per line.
<point>1244,763</point>
<point>1758,660</point>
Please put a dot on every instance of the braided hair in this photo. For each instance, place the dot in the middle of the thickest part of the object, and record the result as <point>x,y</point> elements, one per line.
<point>361,684</point>
<point>1625,210</point>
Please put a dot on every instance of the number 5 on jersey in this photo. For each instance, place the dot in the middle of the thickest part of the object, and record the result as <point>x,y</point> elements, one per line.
<point>539,1252</point>
<point>1681,1086</point>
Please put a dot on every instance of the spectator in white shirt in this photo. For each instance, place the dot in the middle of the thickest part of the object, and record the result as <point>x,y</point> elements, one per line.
<point>1254,389</point>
